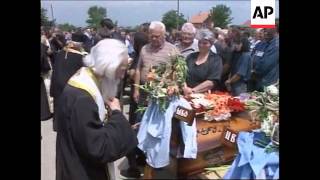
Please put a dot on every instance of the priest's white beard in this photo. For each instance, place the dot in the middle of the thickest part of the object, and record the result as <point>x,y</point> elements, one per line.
<point>109,87</point>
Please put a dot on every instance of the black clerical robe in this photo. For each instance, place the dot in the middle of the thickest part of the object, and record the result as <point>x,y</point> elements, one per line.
<point>84,145</point>
<point>63,68</point>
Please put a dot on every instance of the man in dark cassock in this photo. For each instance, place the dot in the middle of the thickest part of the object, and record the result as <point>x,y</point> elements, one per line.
<point>88,140</point>
<point>44,68</point>
<point>67,62</point>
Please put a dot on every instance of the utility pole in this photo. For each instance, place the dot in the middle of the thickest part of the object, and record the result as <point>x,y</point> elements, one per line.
<point>178,14</point>
<point>52,14</point>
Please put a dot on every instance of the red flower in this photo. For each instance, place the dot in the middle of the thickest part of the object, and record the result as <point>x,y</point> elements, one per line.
<point>235,105</point>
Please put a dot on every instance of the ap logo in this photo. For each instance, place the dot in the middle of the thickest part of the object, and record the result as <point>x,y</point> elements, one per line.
<point>263,13</point>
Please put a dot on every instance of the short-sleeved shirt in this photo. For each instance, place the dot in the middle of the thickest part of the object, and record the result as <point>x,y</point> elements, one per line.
<point>209,70</point>
<point>150,58</point>
<point>186,51</point>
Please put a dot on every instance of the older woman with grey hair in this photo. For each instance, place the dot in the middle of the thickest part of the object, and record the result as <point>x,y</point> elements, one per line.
<point>204,67</point>
<point>213,47</point>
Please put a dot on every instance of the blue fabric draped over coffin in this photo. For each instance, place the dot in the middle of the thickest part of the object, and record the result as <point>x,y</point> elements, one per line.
<point>155,132</point>
<point>253,162</point>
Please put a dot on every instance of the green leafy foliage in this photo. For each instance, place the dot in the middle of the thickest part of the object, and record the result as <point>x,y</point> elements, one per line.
<point>221,15</point>
<point>170,19</point>
<point>96,14</point>
<point>165,81</point>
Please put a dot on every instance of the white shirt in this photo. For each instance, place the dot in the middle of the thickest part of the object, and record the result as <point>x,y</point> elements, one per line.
<point>253,44</point>
<point>213,49</point>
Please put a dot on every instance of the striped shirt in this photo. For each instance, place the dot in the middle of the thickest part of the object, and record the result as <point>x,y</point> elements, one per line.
<point>152,58</point>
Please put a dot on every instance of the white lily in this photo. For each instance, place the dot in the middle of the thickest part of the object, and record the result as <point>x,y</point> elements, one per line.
<point>272,90</point>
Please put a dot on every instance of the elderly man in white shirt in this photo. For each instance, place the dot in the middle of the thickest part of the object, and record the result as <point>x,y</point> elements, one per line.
<point>188,43</point>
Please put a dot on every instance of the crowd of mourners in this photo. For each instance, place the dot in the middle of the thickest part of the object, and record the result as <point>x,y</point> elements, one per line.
<point>237,60</point>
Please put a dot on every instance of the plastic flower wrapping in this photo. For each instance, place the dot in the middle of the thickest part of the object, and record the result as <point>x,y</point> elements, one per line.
<point>165,81</point>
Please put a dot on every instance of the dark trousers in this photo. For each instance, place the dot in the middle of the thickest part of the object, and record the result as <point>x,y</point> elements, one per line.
<point>54,119</point>
<point>133,107</point>
<point>135,117</point>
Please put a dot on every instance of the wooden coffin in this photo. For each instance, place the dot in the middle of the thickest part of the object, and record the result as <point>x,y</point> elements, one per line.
<point>211,150</point>
<point>211,175</point>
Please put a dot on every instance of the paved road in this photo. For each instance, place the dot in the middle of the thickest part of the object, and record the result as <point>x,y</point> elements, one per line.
<point>48,151</point>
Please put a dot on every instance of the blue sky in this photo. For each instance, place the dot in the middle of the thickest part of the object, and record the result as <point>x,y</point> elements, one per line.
<point>132,13</point>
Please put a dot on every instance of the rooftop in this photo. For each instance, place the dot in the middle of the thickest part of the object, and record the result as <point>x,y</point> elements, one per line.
<point>200,17</point>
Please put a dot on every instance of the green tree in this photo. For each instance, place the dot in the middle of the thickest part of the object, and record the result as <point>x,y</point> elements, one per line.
<point>170,19</point>
<point>44,18</point>
<point>220,16</point>
<point>66,27</point>
<point>96,14</point>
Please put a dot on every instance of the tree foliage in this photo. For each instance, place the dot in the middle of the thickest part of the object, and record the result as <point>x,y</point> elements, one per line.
<point>170,19</point>
<point>66,27</point>
<point>221,15</point>
<point>96,14</point>
<point>44,18</point>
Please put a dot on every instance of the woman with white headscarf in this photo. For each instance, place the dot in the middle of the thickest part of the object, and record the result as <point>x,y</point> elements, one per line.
<point>87,143</point>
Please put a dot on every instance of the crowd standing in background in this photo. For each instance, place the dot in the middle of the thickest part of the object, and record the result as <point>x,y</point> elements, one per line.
<point>233,60</point>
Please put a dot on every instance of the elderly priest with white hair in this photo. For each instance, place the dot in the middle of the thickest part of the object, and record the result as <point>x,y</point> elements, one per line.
<point>88,140</point>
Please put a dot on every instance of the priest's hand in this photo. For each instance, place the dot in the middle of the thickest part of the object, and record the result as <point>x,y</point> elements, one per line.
<point>113,104</point>
<point>130,60</point>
